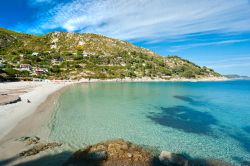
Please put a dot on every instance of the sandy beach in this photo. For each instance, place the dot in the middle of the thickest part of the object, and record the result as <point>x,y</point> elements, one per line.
<point>35,92</point>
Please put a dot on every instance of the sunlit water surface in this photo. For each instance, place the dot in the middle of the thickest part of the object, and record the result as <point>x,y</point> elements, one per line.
<point>201,119</point>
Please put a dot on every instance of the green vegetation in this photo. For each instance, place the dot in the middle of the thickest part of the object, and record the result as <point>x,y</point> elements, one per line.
<point>76,56</point>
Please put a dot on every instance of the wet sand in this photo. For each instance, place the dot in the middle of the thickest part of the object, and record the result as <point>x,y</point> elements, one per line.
<point>35,124</point>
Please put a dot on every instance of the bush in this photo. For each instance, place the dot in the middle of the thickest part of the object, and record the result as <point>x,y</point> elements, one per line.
<point>55,69</point>
<point>78,57</point>
<point>11,72</point>
<point>188,74</point>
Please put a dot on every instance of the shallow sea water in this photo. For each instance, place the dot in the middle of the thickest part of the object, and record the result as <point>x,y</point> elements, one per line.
<point>201,119</point>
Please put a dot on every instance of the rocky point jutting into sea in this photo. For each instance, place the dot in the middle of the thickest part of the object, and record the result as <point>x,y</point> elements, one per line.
<point>109,153</point>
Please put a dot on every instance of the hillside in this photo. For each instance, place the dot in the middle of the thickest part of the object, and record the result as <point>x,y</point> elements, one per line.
<point>61,55</point>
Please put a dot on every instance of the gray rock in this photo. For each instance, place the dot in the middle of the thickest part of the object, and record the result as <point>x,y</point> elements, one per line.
<point>169,158</point>
<point>9,99</point>
<point>97,155</point>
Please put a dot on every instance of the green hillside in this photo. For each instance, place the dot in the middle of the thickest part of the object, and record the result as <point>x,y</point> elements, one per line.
<point>61,55</point>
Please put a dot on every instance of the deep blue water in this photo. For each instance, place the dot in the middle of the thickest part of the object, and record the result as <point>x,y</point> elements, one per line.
<point>202,119</point>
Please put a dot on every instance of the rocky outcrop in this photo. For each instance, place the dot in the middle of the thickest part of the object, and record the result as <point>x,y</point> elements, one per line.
<point>123,153</point>
<point>36,145</point>
<point>39,148</point>
<point>114,152</point>
<point>9,99</point>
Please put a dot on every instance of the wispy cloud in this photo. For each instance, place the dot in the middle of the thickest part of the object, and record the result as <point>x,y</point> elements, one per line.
<point>242,61</point>
<point>223,42</point>
<point>146,19</point>
<point>38,2</point>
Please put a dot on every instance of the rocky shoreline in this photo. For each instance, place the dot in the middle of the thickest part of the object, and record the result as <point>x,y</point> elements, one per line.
<point>121,152</point>
<point>117,152</point>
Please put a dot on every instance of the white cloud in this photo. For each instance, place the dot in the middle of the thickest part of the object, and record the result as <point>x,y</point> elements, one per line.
<point>229,65</point>
<point>148,20</point>
<point>223,42</point>
<point>241,61</point>
<point>38,2</point>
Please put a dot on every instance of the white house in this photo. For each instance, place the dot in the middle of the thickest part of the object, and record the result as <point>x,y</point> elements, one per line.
<point>25,67</point>
<point>35,54</point>
<point>56,61</point>
<point>81,43</point>
<point>85,53</point>
<point>40,70</point>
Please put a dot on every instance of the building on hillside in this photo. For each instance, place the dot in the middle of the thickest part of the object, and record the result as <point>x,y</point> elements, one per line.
<point>85,54</point>
<point>69,59</point>
<point>25,67</point>
<point>39,71</point>
<point>2,61</point>
<point>166,76</point>
<point>56,61</point>
<point>35,54</point>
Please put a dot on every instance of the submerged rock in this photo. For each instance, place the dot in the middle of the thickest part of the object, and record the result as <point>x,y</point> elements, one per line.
<point>203,162</point>
<point>245,163</point>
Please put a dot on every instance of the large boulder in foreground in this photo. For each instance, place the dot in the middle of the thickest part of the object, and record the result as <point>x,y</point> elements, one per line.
<point>113,152</point>
<point>123,153</point>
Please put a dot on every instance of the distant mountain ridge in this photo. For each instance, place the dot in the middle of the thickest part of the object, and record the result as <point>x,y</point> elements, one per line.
<point>236,76</point>
<point>67,55</point>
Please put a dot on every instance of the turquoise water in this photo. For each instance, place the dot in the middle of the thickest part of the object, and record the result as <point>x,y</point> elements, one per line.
<point>202,119</point>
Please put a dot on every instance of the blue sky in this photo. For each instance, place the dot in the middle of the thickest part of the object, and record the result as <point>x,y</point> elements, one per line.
<point>210,33</point>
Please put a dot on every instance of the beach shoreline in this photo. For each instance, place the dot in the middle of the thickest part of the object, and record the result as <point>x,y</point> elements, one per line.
<point>148,79</point>
<point>38,93</point>
<point>35,92</point>
<point>27,119</point>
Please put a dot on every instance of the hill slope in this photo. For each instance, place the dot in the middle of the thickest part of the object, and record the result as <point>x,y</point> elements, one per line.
<point>75,56</point>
